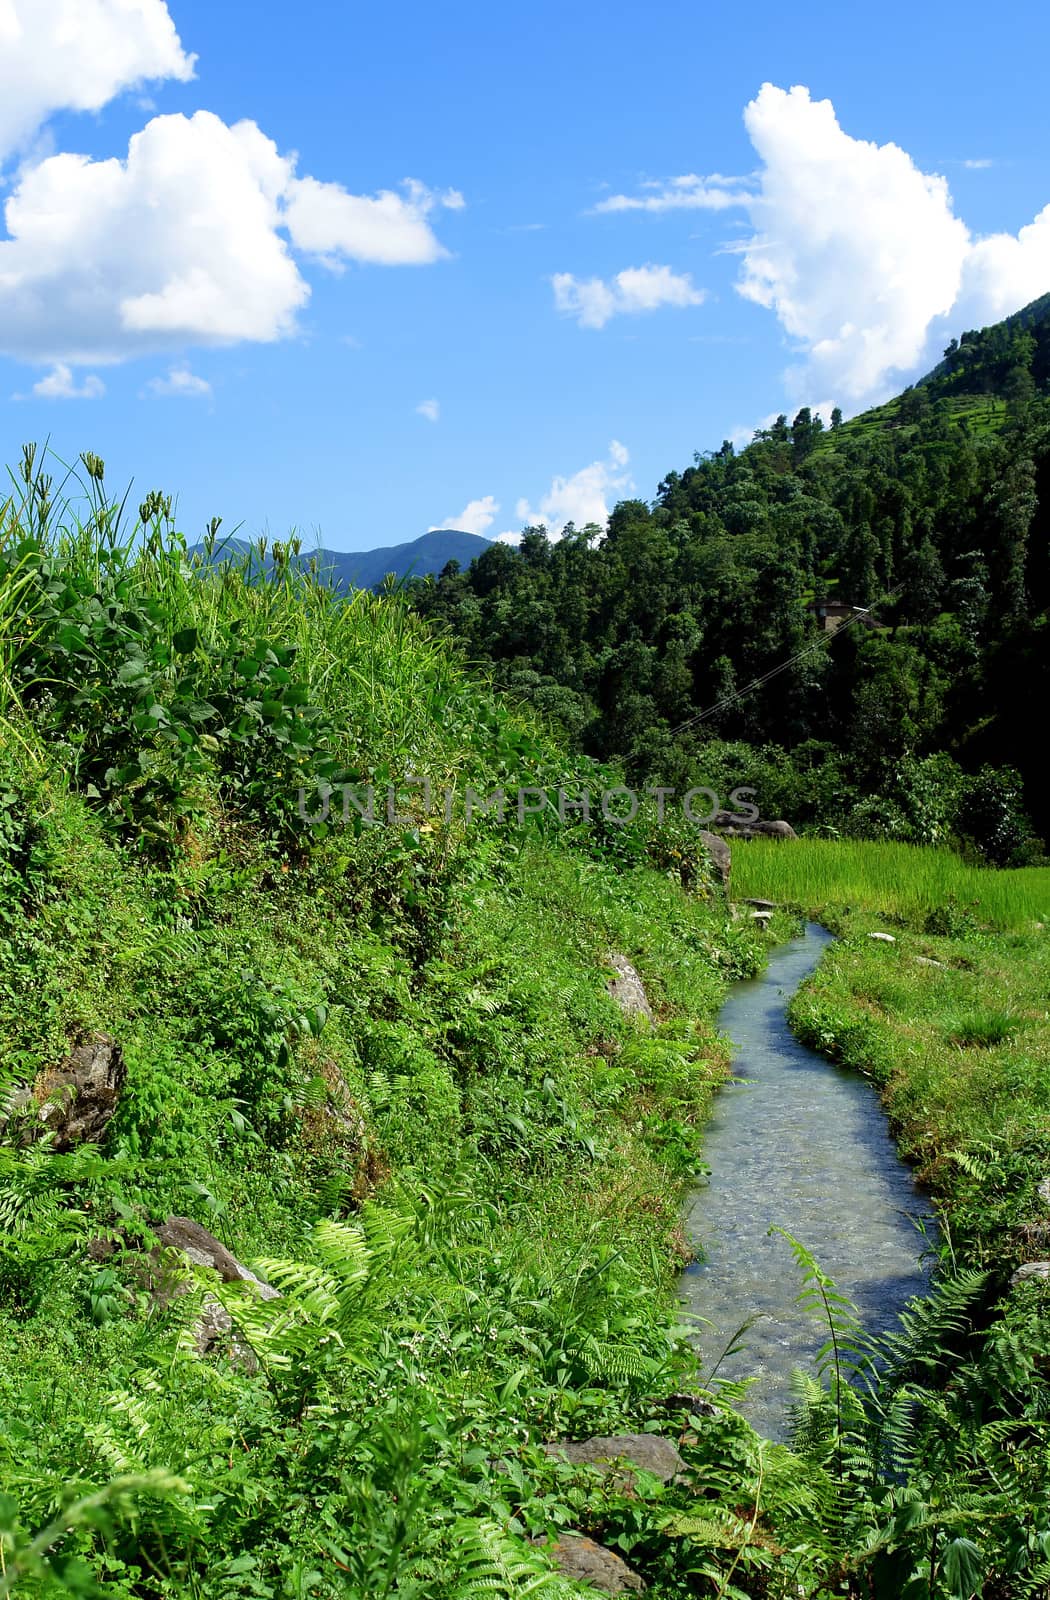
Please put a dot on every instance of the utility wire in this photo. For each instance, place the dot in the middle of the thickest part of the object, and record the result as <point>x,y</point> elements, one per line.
<point>824,642</point>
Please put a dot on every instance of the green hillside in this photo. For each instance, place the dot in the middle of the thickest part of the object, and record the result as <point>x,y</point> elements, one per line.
<point>335,1184</point>
<point>687,643</point>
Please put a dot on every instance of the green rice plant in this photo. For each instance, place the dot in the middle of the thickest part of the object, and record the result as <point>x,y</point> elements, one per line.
<point>897,881</point>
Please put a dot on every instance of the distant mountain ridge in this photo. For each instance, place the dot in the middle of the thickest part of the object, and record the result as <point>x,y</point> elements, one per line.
<point>424,557</point>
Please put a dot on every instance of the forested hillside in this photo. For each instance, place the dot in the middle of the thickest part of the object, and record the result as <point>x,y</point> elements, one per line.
<point>689,642</point>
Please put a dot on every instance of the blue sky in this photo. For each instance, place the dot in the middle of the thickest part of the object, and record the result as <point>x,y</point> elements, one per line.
<point>221,324</point>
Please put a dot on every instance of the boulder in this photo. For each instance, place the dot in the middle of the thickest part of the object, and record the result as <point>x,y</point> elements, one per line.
<point>928,961</point>
<point>628,990</point>
<point>620,1453</point>
<point>883,938</point>
<point>734,827</point>
<point>763,918</point>
<point>188,1239</point>
<point>75,1100</point>
<point>1043,1191</point>
<point>1032,1271</point>
<point>774,830</point>
<point>181,1239</point>
<point>720,853</point>
<point>213,1324</point>
<point>586,1562</point>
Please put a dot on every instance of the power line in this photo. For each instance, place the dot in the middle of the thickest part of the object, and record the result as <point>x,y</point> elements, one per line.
<point>825,641</point>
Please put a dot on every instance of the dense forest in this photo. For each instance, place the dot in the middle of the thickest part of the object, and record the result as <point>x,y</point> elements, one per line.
<point>691,642</point>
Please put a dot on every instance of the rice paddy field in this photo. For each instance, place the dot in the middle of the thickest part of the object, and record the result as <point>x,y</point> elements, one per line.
<point>905,883</point>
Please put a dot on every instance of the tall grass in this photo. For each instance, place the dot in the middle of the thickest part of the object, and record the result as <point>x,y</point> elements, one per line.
<point>69,553</point>
<point>902,881</point>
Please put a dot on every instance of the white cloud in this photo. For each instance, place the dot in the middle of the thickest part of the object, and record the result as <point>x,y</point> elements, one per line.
<point>687,193</point>
<point>856,250</point>
<point>389,229</point>
<point>582,498</point>
<point>1003,272</point>
<point>862,256</point>
<point>180,243</point>
<point>859,252</point>
<point>181,383</point>
<point>477,516</point>
<point>593,301</point>
<point>76,55</point>
<point>431,409</point>
<point>60,384</point>
<point>108,259</point>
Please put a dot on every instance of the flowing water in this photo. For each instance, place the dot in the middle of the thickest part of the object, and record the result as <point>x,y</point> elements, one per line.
<point>805,1144</point>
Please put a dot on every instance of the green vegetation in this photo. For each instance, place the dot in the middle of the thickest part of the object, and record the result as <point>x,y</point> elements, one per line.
<point>961,1052</point>
<point>687,642</point>
<point>901,882</point>
<point>954,1031</point>
<point>377,1057</point>
<point>380,1062</point>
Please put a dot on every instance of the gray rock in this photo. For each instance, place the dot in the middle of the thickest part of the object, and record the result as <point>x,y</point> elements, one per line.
<point>928,961</point>
<point>620,1452</point>
<point>883,938</point>
<point>1043,1191</point>
<point>213,1324</point>
<point>188,1239</point>
<point>182,1240</point>
<point>1032,1271</point>
<point>76,1099</point>
<point>586,1562</point>
<point>775,830</point>
<point>734,827</point>
<point>720,853</point>
<point>763,918</point>
<point>628,990</point>
<point>762,905</point>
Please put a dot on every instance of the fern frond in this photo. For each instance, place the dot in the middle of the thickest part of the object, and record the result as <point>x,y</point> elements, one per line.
<point>496,1566</point>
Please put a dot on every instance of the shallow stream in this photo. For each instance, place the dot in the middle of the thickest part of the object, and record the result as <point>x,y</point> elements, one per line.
<point>805,1144</point>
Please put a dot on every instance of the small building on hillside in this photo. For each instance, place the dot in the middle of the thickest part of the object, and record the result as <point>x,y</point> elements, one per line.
<point>833,613</point>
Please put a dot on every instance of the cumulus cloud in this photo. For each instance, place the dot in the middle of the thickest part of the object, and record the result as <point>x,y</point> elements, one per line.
<point>687,193</point>
<point>76,55</point>
<point>431,409</point>
<point>861,254</point>
<point>593,301</point>
<point>1005,271</point>
<point>60,384</point>
<point>178,243</point>
<point>477,516</point>
<point>855,249</point>
<point>858,252</point>
<point>181,242</point>
<point>584,497</point>
<point>180,383</point>
<point>389,229</point>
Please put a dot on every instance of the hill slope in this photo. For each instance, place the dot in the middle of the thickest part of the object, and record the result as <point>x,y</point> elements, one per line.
<point>689,643</point>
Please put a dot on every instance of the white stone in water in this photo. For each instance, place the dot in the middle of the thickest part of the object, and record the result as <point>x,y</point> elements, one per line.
<point>884,938</point>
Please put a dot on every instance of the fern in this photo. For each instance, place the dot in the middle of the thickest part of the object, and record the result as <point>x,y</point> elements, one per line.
<point>332,1303</point>
<point>846,1353</point>
<point>496,1566</point>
